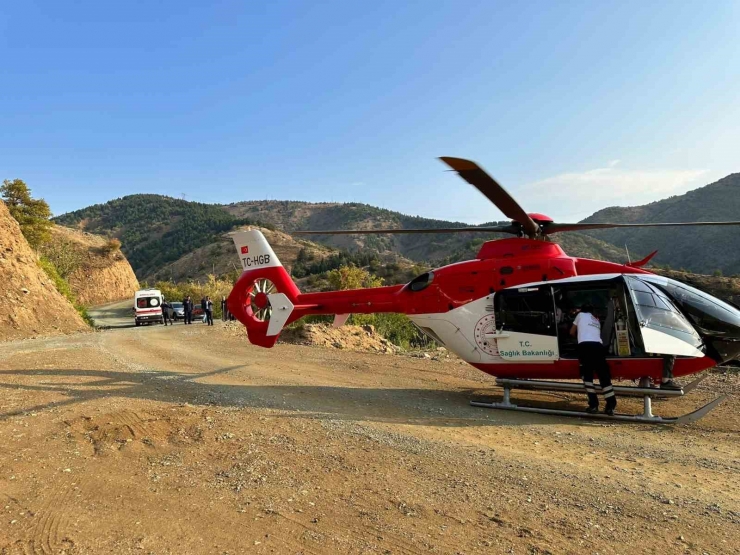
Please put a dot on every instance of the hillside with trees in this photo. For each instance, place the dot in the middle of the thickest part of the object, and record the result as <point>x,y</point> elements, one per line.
<point>154,230</point>
<point>698,249</point>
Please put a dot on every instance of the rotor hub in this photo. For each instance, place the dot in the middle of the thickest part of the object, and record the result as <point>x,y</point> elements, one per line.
<point>260,300</point>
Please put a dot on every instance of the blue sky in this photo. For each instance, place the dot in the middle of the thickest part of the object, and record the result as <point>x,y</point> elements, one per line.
<point>573,106</point>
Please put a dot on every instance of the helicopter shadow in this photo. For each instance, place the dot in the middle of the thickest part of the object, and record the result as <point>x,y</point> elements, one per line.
<point>410,406</point>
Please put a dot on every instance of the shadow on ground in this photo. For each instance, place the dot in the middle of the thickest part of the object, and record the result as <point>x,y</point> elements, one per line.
<point>428,407</point>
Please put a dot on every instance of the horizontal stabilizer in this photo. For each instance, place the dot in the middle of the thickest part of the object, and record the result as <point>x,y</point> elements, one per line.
<point>282,308</point>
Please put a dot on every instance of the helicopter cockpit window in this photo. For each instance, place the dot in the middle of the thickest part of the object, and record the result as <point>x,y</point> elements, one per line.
<point>526,310</point>
<point>421,282</point>
<point>656,311</point>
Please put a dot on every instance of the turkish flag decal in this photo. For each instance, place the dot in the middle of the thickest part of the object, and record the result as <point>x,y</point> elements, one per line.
<point>245,249</point>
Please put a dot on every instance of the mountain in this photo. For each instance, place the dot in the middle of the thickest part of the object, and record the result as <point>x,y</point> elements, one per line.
<point>156,232</point>
<point>699,249</point>
<point>450,247</point>
<point>219,257</point>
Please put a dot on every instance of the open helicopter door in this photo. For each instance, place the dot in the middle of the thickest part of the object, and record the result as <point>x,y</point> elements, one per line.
<point>663,327</point>
<point>526,329</point>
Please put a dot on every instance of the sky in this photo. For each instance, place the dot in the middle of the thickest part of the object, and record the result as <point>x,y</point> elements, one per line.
<point>572,106</point>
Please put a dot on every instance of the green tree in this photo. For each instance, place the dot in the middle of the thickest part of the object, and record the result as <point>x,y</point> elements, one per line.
<point>31,214</point>
<point>352,277</point>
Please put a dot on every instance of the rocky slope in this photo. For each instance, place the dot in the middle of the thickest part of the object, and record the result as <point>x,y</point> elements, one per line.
<point>31,305</point>
<point>96,274</point>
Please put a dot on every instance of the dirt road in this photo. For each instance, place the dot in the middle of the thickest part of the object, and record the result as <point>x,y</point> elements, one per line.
<point>187,439</point>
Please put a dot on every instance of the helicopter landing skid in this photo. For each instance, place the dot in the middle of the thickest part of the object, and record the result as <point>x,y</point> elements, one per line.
<point>647,393</point>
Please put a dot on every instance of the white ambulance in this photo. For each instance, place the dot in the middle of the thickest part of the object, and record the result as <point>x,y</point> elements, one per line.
<point>148,306</point>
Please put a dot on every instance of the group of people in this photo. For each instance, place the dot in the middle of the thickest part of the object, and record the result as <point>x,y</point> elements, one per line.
<point>592,360</point>
<point>206,304</point>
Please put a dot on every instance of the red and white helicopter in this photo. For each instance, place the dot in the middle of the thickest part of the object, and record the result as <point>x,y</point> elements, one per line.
<point>506,312</point>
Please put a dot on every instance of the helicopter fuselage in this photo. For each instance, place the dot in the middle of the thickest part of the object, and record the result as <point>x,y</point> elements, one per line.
<point>507,312</point>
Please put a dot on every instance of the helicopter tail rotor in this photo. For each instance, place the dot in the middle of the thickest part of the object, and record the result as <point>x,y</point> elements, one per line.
<point>263,299</point>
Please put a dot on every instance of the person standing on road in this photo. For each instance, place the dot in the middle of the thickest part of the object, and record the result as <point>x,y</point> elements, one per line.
<point>592,359</point>
<point>167,313</point>
<point>208,308</point>
<point>224,315</point>
<point>187,306</point>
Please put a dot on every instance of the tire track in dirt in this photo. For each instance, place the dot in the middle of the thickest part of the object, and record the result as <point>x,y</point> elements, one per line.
<point>46,538</point>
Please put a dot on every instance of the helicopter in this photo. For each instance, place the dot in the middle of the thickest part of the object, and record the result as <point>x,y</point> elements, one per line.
<point>507,311</point>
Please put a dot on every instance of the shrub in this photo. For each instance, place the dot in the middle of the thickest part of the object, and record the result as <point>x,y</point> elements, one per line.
<point>352,277</point>
<point>213,287</point>
<point>63,287</point>
<point>64,255</point>
<point>396,328</point>
<point>111,246</point>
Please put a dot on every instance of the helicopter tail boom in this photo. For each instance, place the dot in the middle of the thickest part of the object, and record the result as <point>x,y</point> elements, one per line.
<point>265,299</point>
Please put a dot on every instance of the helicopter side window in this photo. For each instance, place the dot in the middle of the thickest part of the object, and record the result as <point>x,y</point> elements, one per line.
<point>526,310</point>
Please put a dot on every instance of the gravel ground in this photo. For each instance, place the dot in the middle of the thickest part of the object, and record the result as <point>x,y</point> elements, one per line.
<point>187,439</point>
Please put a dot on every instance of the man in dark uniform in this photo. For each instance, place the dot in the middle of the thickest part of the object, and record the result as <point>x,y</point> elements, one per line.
<point>208,308</point>
<point>224,315</point>
<point>167,313</point>
<point>592,359</point>
<point>187,306</point>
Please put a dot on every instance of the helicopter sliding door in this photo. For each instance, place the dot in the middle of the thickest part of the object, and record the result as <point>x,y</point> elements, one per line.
<point>663,327</point>
<point>525,322</point>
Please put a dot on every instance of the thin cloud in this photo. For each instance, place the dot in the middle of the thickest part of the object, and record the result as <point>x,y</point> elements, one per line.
<point>589,191</point>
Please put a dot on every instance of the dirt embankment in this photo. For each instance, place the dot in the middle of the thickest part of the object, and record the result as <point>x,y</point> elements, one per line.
<point>31,304</point>
<point>96,274</point>
<point>352,338</point>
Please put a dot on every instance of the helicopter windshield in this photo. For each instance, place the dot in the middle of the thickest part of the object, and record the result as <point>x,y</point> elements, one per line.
<point>656,311</point>
<point>710,315</point>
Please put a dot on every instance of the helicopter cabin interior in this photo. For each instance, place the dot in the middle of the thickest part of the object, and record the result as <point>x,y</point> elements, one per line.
<point>623,304</point>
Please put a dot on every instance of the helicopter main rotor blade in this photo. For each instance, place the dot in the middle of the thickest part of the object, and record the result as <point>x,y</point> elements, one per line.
<point>478,178</point>
<point>491,229</point>
<point>551,228</point>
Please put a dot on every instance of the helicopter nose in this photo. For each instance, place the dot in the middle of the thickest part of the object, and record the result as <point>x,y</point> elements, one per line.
<point>721,335</point>
<point>717,321</point>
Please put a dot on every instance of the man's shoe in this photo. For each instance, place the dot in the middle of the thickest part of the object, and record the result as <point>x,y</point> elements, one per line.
<point>592,410</point>
<point>611,404</point>
<point>670,384</point>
